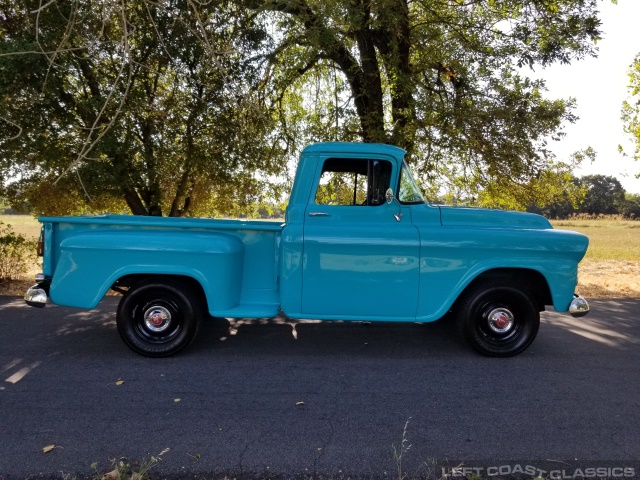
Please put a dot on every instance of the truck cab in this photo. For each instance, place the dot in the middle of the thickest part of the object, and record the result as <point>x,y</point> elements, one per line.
<point>356,255</point>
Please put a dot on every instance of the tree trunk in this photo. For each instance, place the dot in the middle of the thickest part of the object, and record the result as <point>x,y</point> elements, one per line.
<point>392,39</point>
<point>123,176</point>
<point>364,79</point>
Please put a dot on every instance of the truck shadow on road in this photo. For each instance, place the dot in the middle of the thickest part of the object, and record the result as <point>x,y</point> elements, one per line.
<point>307,337</point>
<point>613,325</point>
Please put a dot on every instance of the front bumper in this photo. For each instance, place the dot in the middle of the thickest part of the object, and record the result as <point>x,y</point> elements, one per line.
<point>37,295</point>
<point>578,307</point>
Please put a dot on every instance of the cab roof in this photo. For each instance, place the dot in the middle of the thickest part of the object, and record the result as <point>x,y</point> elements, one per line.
<point>354,147</point>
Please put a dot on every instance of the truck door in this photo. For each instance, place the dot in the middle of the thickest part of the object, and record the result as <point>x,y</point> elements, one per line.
<point>359,261</point>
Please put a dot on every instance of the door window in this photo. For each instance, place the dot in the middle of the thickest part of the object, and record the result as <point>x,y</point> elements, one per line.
<point>351,182</point>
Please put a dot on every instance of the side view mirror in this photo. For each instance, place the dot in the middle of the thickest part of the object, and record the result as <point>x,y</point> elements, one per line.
<point>389,195</point>
<point>390,198</point>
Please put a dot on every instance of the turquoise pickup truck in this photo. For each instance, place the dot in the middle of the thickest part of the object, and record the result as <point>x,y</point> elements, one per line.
<point>358,243</point>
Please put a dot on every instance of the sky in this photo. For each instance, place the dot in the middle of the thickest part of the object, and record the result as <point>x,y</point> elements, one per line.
<point>600,86</point>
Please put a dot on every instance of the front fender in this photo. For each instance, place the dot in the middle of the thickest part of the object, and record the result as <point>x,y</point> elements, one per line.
<point>561,277</point>
<point>90,263</point>
<point>452,258</point>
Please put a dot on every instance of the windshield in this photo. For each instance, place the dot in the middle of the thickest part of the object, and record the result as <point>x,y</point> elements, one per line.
<point>409,192</point>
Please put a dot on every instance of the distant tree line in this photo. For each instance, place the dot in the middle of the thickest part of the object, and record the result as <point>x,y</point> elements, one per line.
<point>602,195</point>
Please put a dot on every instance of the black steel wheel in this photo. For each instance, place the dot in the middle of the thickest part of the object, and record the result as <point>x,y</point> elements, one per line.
<point>497,319</point>
<point>159,318</point>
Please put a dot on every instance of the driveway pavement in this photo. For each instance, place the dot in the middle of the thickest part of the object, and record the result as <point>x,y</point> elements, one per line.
<point>252,399</point>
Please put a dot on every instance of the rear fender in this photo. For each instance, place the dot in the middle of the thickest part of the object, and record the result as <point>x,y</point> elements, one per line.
<point>90,263</point>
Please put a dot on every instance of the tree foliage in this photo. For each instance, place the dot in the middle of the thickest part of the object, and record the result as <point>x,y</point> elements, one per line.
<point>596,195</point>
<point>631,107</point>
<point>631,206</point>
<point>145,106</point>
<point>604,195</point>
<point>182,107</point>
<point>440,78</point>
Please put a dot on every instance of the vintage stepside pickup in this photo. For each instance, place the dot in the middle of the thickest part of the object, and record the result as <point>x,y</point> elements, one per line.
<point>359,243</point>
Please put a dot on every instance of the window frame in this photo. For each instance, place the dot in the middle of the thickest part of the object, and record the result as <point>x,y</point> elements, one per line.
<point>370,180</point>
<point>404,166</point>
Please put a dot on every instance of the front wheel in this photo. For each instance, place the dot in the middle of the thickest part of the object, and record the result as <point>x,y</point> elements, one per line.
<point>498,320</point>
<point>157,318</point>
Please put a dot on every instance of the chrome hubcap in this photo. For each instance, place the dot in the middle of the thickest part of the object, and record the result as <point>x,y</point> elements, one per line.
<point>157,319</point>
<point>500,320</point>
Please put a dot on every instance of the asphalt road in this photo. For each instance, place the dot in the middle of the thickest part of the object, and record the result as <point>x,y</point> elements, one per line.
<point>332,403</point>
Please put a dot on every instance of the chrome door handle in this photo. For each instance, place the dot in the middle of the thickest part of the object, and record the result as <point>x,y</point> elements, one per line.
<point>319,214</point>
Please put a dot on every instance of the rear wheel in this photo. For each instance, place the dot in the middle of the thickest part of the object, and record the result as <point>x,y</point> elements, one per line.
<point>498,319</point>
<point>159,318</point>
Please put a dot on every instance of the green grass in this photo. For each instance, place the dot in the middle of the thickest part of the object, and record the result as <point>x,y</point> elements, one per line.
<point>24,224</point>
<point>608,239</point>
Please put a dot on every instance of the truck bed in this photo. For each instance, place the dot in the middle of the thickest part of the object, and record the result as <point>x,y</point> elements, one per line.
<point>236,261</point>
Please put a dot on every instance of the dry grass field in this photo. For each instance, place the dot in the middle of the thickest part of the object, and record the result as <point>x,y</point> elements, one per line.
<point>611,268</point>
<point>24,224</point>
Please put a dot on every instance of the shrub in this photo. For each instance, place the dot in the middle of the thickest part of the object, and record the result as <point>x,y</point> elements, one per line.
<point>630,208</point>
<point>17,253</point>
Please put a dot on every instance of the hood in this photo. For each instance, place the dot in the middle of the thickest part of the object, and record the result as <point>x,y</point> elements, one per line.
<point>482,217</point>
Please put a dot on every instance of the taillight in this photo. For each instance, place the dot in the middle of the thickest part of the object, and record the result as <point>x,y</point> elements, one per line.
<point>40,247</point>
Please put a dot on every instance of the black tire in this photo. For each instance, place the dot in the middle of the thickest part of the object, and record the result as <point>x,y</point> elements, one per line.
<point>159,318</point>
<point>497,319</point>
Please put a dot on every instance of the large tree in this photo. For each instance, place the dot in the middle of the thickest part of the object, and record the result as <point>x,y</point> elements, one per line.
<point>158,103</point>
<point>445,79</point>
<point>146,106</point>
<point>604,195</point>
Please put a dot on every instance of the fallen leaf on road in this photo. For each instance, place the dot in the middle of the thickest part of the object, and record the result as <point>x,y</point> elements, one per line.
<point>299,404</point>
<point>112,475</point>
<point>48,448</point>
<point>119,382</point>
<point>176,400</point>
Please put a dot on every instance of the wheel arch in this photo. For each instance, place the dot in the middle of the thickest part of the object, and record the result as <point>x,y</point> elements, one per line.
<point>531,280</point>
<point>129,281</point>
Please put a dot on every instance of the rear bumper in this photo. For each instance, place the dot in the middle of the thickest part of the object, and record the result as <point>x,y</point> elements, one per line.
<point>37,295</point>
<point>578,307</point>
